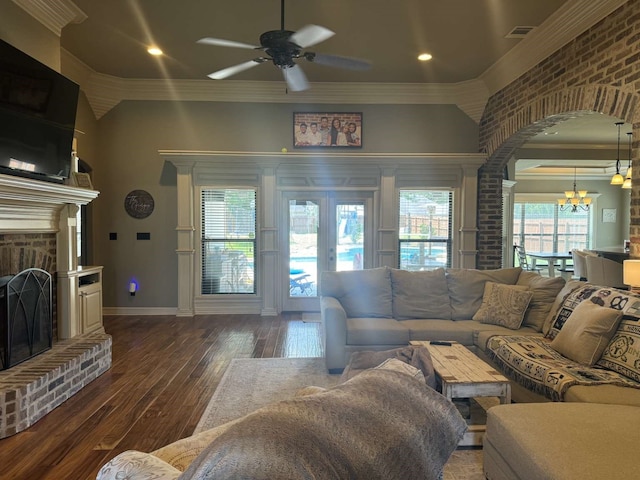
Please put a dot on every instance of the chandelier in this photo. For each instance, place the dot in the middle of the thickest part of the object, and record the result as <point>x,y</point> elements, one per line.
<point>618,179</point>
<point>575,198</point>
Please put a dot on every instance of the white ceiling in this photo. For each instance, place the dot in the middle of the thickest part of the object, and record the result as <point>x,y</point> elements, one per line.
<point>467,38</point>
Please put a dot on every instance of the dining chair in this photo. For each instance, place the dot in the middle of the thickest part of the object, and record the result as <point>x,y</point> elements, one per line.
<point>606,272</point>
<point>579,264</point>
<point>523,260</point>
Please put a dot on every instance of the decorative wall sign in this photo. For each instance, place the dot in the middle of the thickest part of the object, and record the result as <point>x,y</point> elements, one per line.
<point>139,204</point>
<point>609,215</point>
<point>82,180</point>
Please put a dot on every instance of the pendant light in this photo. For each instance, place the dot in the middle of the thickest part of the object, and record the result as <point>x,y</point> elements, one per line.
<point>575,198</point>
<point>618,179</point>
<point>627,178</point>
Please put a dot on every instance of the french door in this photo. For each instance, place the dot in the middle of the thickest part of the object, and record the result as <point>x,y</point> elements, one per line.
<point>325,231</point>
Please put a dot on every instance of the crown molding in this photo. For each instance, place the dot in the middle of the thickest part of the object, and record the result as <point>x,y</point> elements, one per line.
<point>571,19</point>
<point>106,91</point>
<point>54,15</point>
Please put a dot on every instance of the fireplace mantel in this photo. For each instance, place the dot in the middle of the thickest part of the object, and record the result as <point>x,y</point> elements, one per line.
<point>32,206</point>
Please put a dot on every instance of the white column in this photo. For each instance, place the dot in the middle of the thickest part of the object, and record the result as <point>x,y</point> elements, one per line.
<point>67,263</point>
<point>467,256</point>
<point>268,244</point>
<point>387,238</point>
<point>186,238</point>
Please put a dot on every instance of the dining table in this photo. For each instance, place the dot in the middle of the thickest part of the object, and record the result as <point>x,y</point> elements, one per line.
<point>552,258</point>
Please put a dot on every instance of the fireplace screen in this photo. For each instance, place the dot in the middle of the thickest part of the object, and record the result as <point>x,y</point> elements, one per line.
<point>25,316</point>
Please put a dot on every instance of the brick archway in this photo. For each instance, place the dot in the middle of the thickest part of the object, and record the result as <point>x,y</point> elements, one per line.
<point>504,129</point>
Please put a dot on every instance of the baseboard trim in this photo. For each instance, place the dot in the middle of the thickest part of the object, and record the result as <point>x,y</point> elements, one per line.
<point>139,311</point>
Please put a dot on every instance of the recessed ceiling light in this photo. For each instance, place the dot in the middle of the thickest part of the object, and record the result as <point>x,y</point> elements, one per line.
<point>424,57</point>
<point>154,51</point>
<point>552,133</point>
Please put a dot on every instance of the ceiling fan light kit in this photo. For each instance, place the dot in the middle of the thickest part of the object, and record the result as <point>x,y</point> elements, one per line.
<point>283,47</point>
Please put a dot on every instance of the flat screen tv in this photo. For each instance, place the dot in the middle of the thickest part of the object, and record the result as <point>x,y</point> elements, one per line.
<point>37,117</point>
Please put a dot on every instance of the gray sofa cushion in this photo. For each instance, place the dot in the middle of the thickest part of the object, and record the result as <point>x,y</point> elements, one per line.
<point>466,288</point>
<point>461,332</point>
<point>362,293</point>
<point>376,331</point>
<point>420,294</point>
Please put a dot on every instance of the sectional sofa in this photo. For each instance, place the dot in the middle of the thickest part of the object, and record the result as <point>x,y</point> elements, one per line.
<point>574,343</point>
<point>501,315</point>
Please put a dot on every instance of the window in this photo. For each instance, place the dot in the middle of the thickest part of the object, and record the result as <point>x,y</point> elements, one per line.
<point>228,240</point>
<point>424,229</point>
<point>543,227</point>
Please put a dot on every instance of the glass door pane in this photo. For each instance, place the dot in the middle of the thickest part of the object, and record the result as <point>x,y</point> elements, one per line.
<point>325,231</point>
<point>349,236</point>
<point>303,247</point>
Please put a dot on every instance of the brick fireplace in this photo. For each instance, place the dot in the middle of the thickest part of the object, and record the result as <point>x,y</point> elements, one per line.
<point>38,229</point>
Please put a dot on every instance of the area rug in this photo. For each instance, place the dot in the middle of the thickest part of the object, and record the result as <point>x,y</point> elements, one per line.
<point>250,383</point>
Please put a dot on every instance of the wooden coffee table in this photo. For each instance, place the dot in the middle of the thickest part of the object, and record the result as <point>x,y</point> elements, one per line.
<point>464,375</point>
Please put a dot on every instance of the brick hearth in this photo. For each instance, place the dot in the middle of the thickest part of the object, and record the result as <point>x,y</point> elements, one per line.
<point>33,388</point>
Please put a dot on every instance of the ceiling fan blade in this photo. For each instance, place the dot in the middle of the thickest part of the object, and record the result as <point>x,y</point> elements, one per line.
<point>225,43</point>
<point>310,35</point>
<point>338,61</point>
<point>227,72</point>
<point>295,78</point>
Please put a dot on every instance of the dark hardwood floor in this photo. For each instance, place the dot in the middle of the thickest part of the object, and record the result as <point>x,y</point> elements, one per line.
<point>165,370</point>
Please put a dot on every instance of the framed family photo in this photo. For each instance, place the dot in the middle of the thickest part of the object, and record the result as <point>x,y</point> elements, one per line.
<point>327,129</point>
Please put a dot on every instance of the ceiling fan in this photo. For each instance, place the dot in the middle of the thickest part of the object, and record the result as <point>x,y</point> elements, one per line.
<point>282,47</point>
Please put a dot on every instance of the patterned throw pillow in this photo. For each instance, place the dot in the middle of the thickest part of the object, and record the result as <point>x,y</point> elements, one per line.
<point>586,333</point>
<point>626,302</point>
<point>503,305</point>
<point>622,355</point>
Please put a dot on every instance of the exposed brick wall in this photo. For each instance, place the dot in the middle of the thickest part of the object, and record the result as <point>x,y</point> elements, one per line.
<point>599,71</point>
<point>19,251</point>
<point>33,388</point>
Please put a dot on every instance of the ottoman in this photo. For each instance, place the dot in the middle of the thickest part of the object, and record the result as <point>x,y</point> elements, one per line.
<point>562,441</point>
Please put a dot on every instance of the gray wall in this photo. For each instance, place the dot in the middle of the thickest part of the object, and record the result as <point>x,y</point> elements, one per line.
<point>123,152</point>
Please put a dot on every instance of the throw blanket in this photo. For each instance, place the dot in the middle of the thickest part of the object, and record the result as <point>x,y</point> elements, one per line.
<point>380,424</point>
<point>416,356</point>
<point>531,362</point>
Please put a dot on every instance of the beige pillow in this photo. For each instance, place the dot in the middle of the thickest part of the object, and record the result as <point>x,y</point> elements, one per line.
<point>587,332</point>
<point>503,305</point>
<point>545,290</point>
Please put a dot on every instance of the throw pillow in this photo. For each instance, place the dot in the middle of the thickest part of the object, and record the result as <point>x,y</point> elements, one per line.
<point>503,305</point>
<point>545,290</point>
<point>622,355</point>
<point>568,288</point>
<point>586,333</point>
<point>466,288</point>
<point>421,294</point>
<point>626,302</point>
